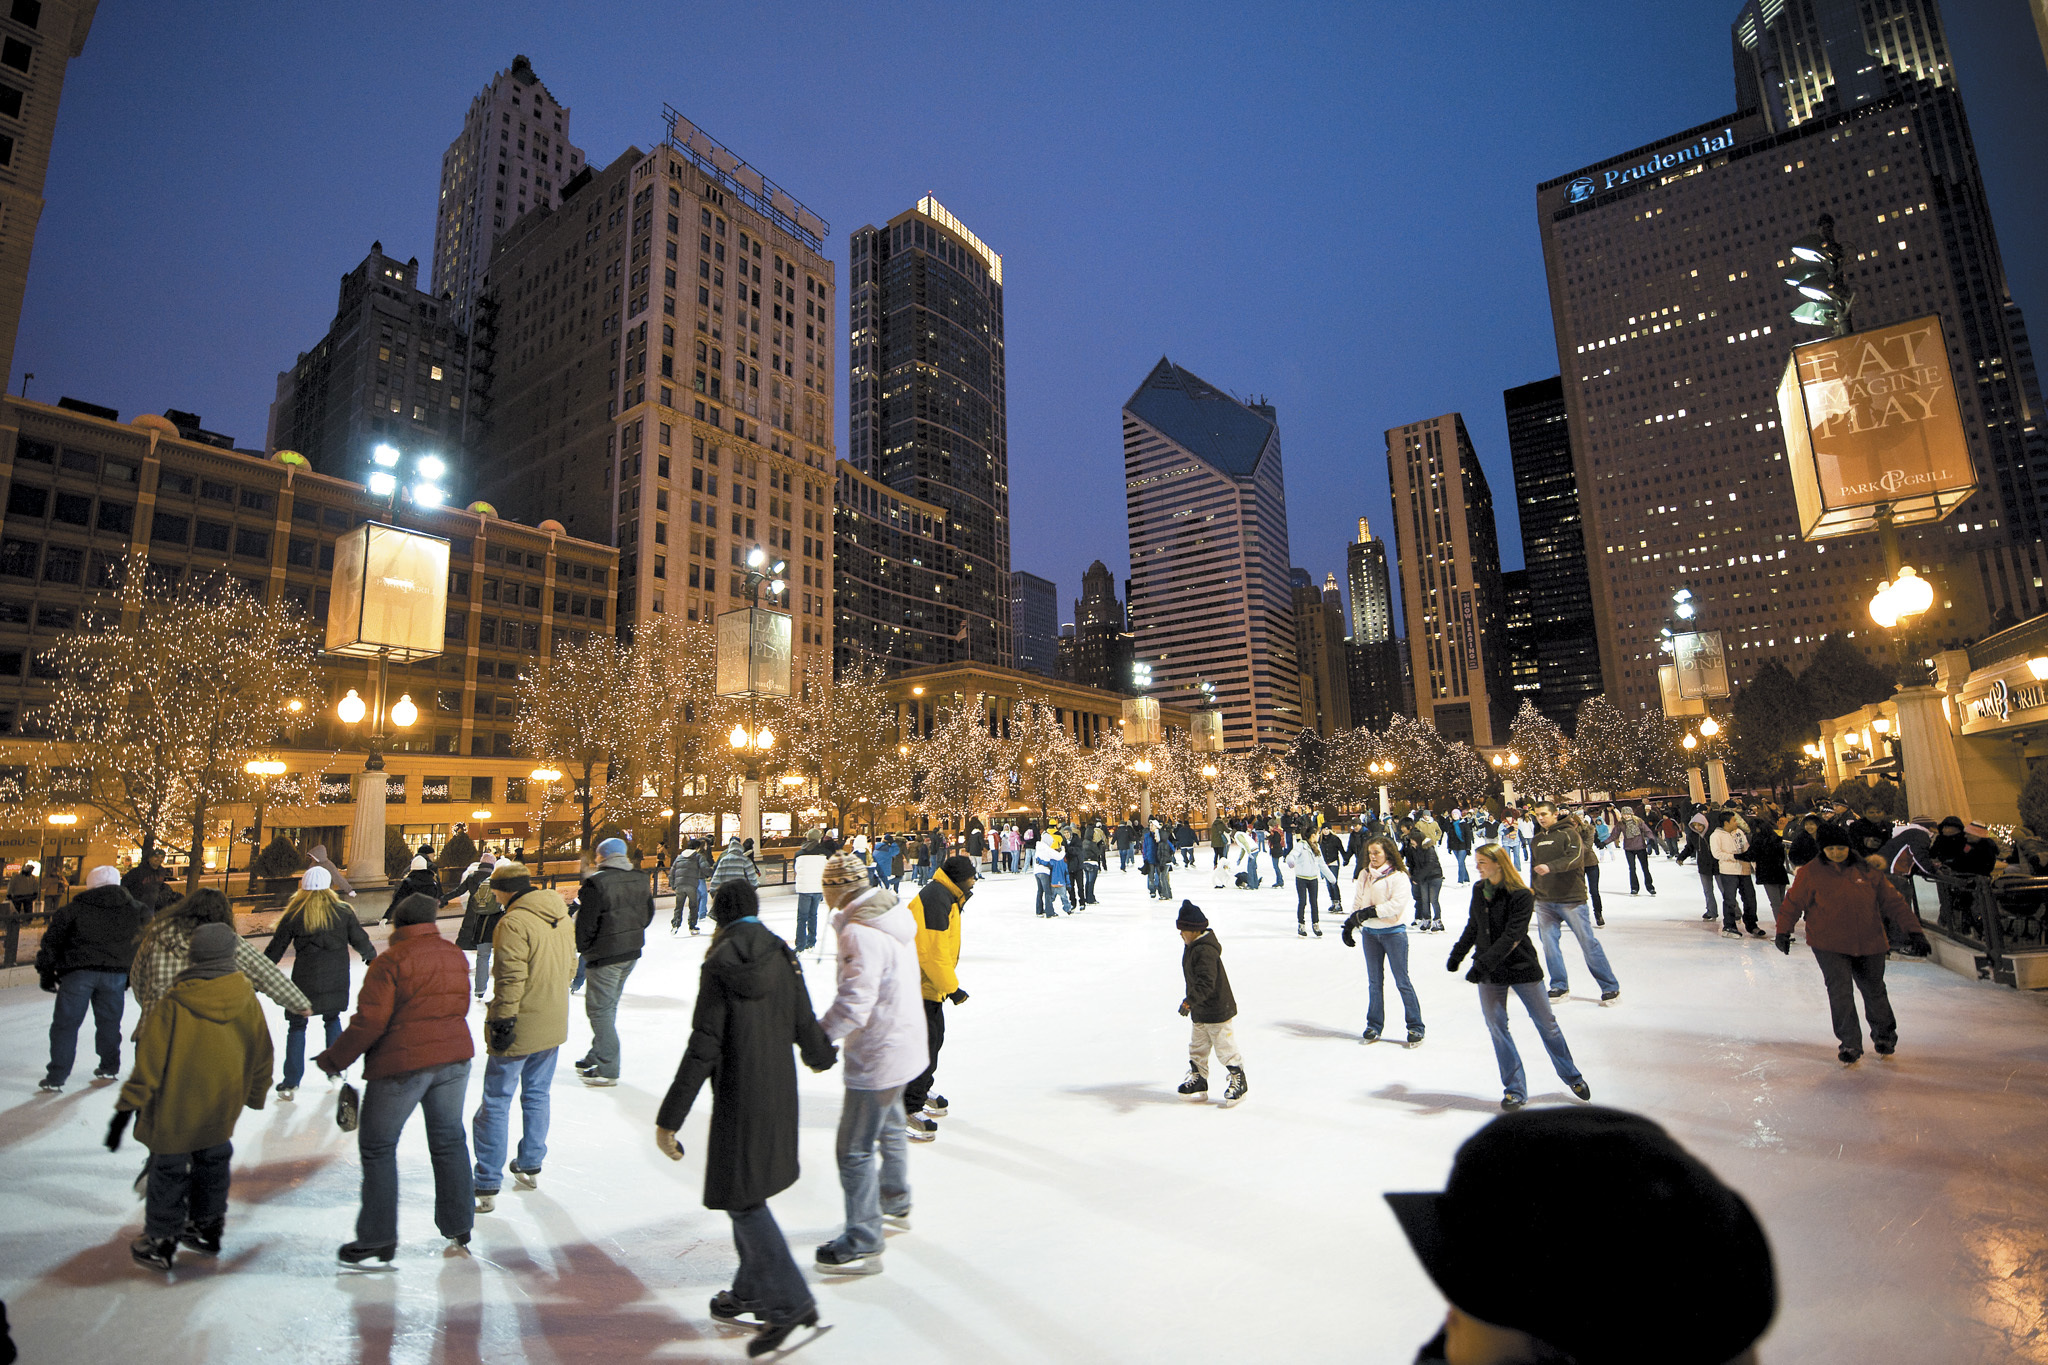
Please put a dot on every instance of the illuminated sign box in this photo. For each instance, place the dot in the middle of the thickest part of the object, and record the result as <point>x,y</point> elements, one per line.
<point>1141,720</point>
<point>753,653</point>
<point>1675,705</point>
<point>1699,666</point>
<point>389,595</point>
<point>1871,422</point>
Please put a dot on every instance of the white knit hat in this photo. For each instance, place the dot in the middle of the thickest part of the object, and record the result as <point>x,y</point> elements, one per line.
<point>316,879</point>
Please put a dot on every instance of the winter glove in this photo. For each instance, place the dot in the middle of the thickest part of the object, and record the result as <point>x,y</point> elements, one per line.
<point>48,983</point>
<point>1455,959</point>
<point>1351,927</point>
<point>665,1141</point>
<point>958,997</point>
<point>1921,947</point>
<point>1784,942</point>
<point>498,1034</point>
<point>1184,1009</point>
<point>118,1127</point>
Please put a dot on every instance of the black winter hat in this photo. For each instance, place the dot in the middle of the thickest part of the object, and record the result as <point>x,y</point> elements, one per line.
<point>734,900</point>
<point>416,909</point>
<point>1608,1179</point>
<point>1832,835</point>
<point>958,870</point>
<point>1191,917</point>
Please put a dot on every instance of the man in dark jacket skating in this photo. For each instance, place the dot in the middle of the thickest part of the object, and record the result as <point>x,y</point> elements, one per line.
<point>1209,1005</point>
<point>611,929</point>
<point>84,961</point>
<point>752,1006</point>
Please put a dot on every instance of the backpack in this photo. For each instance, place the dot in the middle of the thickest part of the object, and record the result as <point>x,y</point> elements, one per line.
<point>479,919</point>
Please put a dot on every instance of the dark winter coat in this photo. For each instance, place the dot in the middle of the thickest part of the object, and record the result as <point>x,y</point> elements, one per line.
<point>752,1006</point>
<point>1332,847</point>
<point>1767,856</point>
<point>1868,836</point>
<point>615,909</point>
<point>1183,835</point>
<point>94,932</point>
<point>479,918</point>
<point>1207,984</point>
<point>1846,907</point>
<point>1802,850</point>
<point>1422,860</point>
<point>1456,836</point>
<point>320,957</point>
<point>413,1010</point>
<point>1964,855</point>
<point>1567,856</point>
<point>1497,936</point>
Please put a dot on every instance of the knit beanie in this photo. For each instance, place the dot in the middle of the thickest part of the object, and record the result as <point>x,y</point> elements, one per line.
<point>1191,917</point>
<point>958,870</point>
<point>511,880</point>
<point>212,953</point>
<point>316,879</point>
<point>103,875</point>
<point>416,909</point>
<point>612,848</point>
<point>844,878</point>
<point>734,900</point>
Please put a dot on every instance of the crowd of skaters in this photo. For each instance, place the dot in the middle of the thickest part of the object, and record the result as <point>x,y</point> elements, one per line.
<point>203,1053</point>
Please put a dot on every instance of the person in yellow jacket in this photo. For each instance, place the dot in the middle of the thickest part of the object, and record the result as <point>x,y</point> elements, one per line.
<point>533,958</point>
<point>937,912</point>
<point>201,1057</point>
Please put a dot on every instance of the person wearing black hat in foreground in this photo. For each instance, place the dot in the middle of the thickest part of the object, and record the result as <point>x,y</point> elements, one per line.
<point>1847,905</point>
<point>1607,1179</point>
<point>1209,1005</point>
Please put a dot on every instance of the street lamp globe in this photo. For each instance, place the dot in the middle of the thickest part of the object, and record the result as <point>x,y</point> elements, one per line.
<point>405,713</point>
<point>738,737</point>
<point>351,708</point>
<point>1689,741</point>
<point>1710,727</point>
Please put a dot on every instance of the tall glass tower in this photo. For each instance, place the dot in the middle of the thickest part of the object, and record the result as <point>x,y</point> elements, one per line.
<point>928,415</point>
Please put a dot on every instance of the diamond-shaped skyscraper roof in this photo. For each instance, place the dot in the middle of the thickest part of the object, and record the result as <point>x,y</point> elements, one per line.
<point>1202,418</point>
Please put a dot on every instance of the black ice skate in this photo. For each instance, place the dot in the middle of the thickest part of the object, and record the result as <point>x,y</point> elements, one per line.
<point>1196,1086</point>
<point>1234,1092</point>
<point>774,1339</point>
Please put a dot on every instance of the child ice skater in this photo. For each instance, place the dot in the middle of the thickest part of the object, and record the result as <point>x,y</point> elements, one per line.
<point>1209,1004</point>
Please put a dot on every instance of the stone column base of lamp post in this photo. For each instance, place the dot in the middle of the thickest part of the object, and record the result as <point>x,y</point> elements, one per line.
<point>1696,786</point>
<point>1927,753</point>
<point>750,810</point>
<point>1717,781</point>
<point>366,833</point>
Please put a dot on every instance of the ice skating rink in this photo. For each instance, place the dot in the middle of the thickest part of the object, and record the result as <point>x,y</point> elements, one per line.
<point>1074,1208</point>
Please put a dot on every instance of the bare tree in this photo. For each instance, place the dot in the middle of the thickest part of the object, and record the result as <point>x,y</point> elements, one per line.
<point>576,709</point>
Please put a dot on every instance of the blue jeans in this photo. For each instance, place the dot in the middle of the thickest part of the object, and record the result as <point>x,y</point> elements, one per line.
<point>531,1076</point>
<point>186,1187</point>
<point>1459,854</point>
<point>295,1046</point>
<point>1493,1005</point>
<point>1389,947</point>
<point>1088,871</point>
<point>1042,904</point>
<point>1429,900</point>
<point>807,918</point>
<point>1551,919</point>
<point>767,1279</point>
<point>601,1008</point>
<point>387,1103</point>
<point>581,972</point>
<point>874,1184</point>
<point>106,994</point>
<point>1123,860</point>
<point>483,969</point>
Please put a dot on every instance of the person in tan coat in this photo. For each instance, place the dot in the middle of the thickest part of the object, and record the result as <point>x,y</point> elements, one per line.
<point>201,1057</point>
<point>533,959</point>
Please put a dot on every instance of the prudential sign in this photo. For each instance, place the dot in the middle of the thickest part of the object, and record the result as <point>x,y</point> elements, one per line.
<point>1584,187</point>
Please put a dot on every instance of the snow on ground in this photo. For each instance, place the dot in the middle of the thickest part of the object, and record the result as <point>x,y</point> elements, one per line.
<point>1073,1208</point>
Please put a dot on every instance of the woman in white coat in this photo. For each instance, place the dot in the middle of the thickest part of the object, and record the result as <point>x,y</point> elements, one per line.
<point>878,1017</point>
<point>1382,904</point>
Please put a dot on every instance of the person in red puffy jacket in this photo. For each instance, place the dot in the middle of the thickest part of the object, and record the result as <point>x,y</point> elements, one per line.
<point>411,1029</point>
<point>1846,906</point>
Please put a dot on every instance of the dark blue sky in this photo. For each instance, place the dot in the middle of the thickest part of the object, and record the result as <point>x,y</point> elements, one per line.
<point>1331,205</point>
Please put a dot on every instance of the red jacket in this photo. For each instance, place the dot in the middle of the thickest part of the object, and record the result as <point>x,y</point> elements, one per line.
<point>1845,908</point>
<point>412,1011</point>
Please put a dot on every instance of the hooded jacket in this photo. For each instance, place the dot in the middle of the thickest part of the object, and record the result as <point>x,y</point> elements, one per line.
<point>937,913</point>
<point>1206,983</point>
<point>809,867</point>
<point>532,962</point>
<point>878,1012</point>
<point>614,909</point>
<point>201,1057</point>
<point>94,932</point>
<point>317,855</point>
<point>751,1008</point>
<point>413,1009</point>
<point>1845,906</point>
<point>733,866</point>
<point>1497,935</point>
<point>320,957</point>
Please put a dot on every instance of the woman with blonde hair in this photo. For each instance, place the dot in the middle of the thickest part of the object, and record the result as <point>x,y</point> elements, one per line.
<point>318,930</point>
<point>1504,960</point>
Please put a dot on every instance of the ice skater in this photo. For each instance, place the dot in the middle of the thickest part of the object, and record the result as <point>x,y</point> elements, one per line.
<point>751,1008</point>
<point>1382,903</point>
<point>1209,1006</point>
<point>1846,906</point>
<point>1558,859</point>
<point>936,912</point>
<point>83,961</point>
<point>1497,935</point>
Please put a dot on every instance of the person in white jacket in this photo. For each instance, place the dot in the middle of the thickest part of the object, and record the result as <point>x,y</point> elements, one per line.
<point>809,868</point>
<point>878,1018</point>
<point>1382,903</point>
<point>1307,866</point>
<point>1726,845</point>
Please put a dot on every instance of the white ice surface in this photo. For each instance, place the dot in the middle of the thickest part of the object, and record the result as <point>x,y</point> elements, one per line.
<point>1073,1208</point>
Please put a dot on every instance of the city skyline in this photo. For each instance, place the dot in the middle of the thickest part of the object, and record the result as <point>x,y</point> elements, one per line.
<point>275,258</point>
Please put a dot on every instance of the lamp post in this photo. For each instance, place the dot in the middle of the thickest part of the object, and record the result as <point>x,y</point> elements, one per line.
<point>1898,605</point>
<point>1382,773</point>
<point>262,769</point>
<point>791,783</point>
<point>547,774</point>
<point>1209,776</point>
<point>1506,764</point>
<point>366,833</point>
<point>390,478</point>
<point>752,746</point>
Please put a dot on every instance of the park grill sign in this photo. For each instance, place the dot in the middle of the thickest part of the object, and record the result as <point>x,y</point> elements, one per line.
<point>2002,697</point>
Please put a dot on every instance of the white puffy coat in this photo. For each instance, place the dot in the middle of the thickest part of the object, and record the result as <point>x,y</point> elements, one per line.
<point>878,1012</point>
<point>1388,898</point>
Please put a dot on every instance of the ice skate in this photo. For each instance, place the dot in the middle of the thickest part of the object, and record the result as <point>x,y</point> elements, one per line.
<point>356,1254</point>
<point>832,1261</point>
<point>527,1180</point>
<point>155,1253</point>
<point>935,1107</point>
<point>1196,1086</point>
<point>203,1237</point>
<point>1234,1092</point>
<point>921,1128</point>
<point>775,1339</point>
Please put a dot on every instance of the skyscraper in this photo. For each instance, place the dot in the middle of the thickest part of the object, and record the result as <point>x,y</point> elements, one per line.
<point>1518,628</point>
<point>1098,652</point>
<point>710,432</point>
<point>1372,598</point>
<point>1670,307</point>
<point>1205,499</point>
<point>1035,623</point>
<point>38,41</point>
<point>1567,648</point>
<point>1797,60</point>
<point>928,414</point>
<point>512,155</point>
<point>392,368</point>
<point>1319,657</point>
<point>1449,554</point>
<point>892,567</point>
